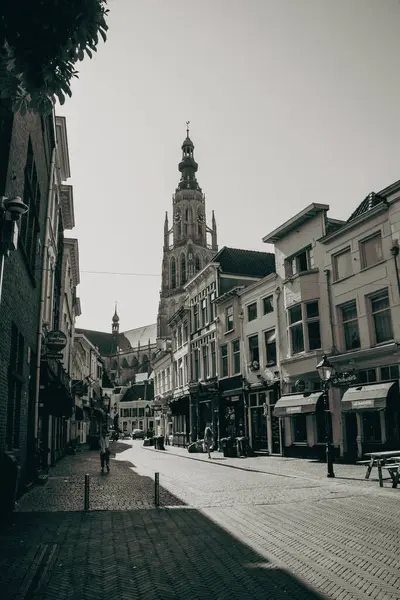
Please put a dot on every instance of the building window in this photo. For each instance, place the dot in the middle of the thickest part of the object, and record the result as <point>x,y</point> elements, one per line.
<point>204,316</point>
<point>299,428</point>
<point>252,311</point>
<point>367,376</point>
<point>15,382</point>
<point>29,228</point>
<point>254,352</point>
<point>268,305</point>
<point>212,306</point>
<point>195,317</point>
<point>350,326</point>
<point>205,361</point>
<point>371,251</point>
<point>236,356</point>
<point>299,263</point>
<point>313,330</point>
<point>185,332</point>
<point>229,319</point>
<point>183,269</point>
<point>270,347</point>
<point>179,337</point>
<point>196,364</point>
<point>342,266</point>
<point>197,263</point>
<point>224,361</point>
<point>382,318</point>
<point>173,273</point>
<point>213,360</point>
<point>180,372</point>
<point>296,329</point>
<point>390,373</point>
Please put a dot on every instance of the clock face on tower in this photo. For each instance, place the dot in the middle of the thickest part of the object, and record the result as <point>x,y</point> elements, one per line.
<point>178,215</point>
<point>200,216</point>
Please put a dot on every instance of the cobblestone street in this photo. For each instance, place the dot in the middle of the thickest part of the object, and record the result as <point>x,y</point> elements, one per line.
<point>227,532</point>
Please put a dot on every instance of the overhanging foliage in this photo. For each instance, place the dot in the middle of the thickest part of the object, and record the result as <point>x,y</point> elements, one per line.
<point>40,43</point>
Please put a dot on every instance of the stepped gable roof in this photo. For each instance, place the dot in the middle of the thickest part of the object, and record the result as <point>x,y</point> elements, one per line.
<point>367,204</point>
<point>142,335</point>
<point>252,263</point>
<point>105,341</point>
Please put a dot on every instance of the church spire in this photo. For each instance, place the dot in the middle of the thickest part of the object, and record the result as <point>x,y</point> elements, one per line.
<point>214,244</point>
<point>115,322</point>
<point>166,232</point>
<point>188,166</point>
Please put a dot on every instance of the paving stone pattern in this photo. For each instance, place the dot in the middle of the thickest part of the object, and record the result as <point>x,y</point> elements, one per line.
<point>121,489</point>
<point>164,554</point>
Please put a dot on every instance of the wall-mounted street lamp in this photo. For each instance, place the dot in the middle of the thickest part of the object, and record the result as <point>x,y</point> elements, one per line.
<point>325,370</point>
<point>11,210</point>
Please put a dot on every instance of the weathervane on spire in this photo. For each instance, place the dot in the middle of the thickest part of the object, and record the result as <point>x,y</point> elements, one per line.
<point>187,128</point>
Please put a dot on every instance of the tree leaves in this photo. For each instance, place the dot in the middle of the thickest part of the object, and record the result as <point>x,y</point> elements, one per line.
<point>38,52</point>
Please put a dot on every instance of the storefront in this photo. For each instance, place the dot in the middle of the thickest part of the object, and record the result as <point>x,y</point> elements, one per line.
<point>231,409</point>
<point>180,420</point>
<point>371,418</point>
<point>264,426</point>
<point>303,417</point>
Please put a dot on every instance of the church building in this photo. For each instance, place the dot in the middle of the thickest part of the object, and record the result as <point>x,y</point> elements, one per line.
<point>189,244</point>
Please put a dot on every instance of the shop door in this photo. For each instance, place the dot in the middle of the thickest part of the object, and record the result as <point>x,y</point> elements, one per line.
<point>276,435</point>
<point>258,429</point>
<point>351,436</point>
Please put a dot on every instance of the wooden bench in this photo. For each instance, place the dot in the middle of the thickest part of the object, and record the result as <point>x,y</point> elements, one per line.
<point>394,472</point>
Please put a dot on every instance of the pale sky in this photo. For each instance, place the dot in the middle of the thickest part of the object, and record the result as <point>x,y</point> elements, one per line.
<point>290,102</point>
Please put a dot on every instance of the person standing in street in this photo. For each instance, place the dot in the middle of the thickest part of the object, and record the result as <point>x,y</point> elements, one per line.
<point>104,449</point>
<point>208,440</point>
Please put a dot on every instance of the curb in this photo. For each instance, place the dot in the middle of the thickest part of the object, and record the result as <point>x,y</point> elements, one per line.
<point>221,464</point>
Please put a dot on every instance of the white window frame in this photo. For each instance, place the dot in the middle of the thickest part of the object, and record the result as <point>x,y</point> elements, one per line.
<point>228,314</point>
<point>270,296</point>
<point>292,262</point>
<point>234,372</point>
<point>337,255</point>
<point>363,262</point>
<point>305,320</point>
<point>249,305</point>
<point>371,298</point>
<point>343,323</point>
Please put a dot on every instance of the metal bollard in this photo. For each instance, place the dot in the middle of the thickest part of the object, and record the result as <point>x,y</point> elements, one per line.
<point>157,489</point>
<point>86,500</point>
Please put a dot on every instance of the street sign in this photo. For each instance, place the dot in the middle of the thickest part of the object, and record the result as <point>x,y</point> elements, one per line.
<point>55,340</point>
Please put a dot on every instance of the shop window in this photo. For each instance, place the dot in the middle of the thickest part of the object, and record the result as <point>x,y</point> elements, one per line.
<point>342,266</point>
<point>390,373</point>
<point>229,319</point>
<point>349,319</point>
<point>253,400</point>
<point>367,376</point>
<point>372,426</point>
<point>124,426</point>
<point>299,423</point>
<point>270,347</point>
<point>224,361</point>
<point>299,263</point>
<point>268,305</point>
<point>381,316</point>
<point>236,356</point>
<point>252,311</point>
<point>371,251</point>
<point>254,352</point>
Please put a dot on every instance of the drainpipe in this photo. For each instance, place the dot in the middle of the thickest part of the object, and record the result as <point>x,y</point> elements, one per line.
<point>331,322</point>
<point>395,252</point>
<point>43,288</point>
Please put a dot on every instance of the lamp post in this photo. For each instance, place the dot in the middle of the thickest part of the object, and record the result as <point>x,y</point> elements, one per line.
<point>325,370</point>
<point>11,210</point>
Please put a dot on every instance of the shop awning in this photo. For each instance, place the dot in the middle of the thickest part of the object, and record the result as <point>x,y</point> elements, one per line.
<point>366,397</point>
<point>235,392</point>
<point>297,404</point>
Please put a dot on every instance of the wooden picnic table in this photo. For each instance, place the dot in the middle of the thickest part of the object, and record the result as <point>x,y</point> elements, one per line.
<point>379,460</point>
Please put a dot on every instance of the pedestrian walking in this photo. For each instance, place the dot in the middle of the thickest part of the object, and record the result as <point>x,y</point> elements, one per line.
<point>208,440</point>
<point>104,449</point>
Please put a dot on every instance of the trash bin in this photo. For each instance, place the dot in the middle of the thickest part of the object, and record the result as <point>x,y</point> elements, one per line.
<point>228,447</point>
<point>242,446</point>
<point>159,441</point>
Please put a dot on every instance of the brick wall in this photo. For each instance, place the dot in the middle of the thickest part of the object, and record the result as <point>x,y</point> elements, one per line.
<point>21,288</point>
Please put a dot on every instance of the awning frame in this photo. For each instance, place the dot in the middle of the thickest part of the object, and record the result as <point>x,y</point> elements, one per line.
<point>297,404</point>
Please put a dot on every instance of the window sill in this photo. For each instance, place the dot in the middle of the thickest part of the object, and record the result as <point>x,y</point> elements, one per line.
<point>381,262</point>
<point>380,344</point>
<point>299,443</point>
<point>229,331</point>
<point>290,278</point>
<point>343,279</point>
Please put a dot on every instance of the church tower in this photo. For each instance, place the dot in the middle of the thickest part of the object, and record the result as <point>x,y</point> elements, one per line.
<point>186,246</point>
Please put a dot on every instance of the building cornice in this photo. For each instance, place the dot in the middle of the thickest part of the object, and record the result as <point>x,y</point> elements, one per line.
<point>62,148</point>
<point>201,275</point>
<point>370,214</point>
<point>67,206</point>
<point>72,245</point>
<point>307,213</point>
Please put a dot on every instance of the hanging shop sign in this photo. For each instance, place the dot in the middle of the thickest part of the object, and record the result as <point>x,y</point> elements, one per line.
<point>55,341</point>
<point>345,378</point>
<point>53,356</point>
<point>300,385</point>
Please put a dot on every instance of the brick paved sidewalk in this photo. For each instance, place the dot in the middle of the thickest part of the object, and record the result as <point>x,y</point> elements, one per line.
<point>121,489</point>
<point>159,554</point>
<point>277,465</point>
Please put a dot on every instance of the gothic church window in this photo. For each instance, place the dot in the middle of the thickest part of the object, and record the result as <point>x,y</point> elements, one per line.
<point>197,262</point>
<point>183,269</point>
<point>173,273</point>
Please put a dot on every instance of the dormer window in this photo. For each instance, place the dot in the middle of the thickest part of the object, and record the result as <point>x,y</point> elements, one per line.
<point>299,263</point>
